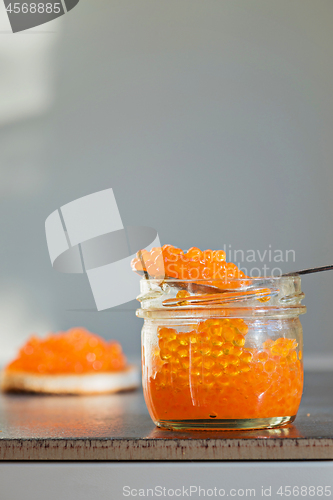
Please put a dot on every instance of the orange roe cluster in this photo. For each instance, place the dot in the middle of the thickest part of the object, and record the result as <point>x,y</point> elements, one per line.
<point>73,352</point>
<point>209,373</point>
<point>173,263</point>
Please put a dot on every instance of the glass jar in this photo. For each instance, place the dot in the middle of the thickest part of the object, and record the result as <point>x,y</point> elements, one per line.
<point>226,360</point>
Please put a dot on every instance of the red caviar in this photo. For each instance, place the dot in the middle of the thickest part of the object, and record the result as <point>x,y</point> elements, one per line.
<point>194,264</point>
<point>209,373</point>
<point>73,352</point>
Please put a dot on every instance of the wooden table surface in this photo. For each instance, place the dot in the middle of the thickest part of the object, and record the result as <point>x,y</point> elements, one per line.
<point>118,427</point>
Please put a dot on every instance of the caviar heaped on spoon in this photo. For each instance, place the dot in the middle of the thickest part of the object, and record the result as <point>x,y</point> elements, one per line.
<point>172,262</point>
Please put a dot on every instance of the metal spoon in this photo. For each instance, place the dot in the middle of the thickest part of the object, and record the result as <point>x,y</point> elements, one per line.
<point>200,288</point>
<point>309,271</point>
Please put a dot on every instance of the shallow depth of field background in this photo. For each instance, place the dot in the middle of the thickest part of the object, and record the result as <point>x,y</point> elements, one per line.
<point>213,123</point>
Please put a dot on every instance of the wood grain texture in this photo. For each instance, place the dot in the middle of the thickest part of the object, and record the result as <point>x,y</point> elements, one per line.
<point>118,427</point>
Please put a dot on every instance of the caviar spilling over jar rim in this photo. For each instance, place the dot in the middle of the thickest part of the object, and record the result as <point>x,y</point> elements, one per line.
<point>229,364</point>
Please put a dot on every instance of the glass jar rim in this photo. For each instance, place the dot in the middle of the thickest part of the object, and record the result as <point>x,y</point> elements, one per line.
<point>277,295</point>
<point>255,279</point>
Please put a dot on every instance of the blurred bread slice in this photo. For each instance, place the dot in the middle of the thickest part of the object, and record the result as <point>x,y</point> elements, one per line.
<point>71,362</point>
<point>86,383</point>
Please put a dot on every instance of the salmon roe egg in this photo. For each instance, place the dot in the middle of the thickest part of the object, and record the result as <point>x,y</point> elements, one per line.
<point>74,351</point>
<point>173,263</point>
<point>200,373</point>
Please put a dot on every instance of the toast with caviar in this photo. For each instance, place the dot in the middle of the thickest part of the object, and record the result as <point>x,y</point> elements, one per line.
<point>72,362</point>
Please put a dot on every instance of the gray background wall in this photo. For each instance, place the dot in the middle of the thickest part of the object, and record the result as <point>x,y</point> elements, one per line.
<point>212,121</point>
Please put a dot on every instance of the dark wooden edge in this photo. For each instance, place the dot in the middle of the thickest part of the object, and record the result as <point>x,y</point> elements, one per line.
<point>166,449</point>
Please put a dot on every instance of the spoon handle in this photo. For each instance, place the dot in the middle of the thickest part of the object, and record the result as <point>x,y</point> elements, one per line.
<point>310,270</point>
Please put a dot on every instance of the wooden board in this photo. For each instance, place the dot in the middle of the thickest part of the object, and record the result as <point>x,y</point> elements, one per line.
<point>118,427</point>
